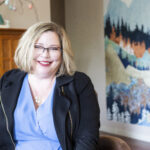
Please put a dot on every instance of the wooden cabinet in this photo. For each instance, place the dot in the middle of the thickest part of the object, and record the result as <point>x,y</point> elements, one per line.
<point>8,42</point>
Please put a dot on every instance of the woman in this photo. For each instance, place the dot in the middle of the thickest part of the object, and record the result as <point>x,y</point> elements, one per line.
<point>46,104</point>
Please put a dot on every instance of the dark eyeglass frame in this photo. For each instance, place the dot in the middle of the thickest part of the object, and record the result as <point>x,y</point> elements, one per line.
<point>48,49</point>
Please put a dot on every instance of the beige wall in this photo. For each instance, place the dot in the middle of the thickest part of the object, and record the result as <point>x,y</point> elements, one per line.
<point>84,24</point>
<point>24,17</point>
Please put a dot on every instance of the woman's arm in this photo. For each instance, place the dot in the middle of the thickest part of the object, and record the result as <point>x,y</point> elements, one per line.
<point>87,136</point>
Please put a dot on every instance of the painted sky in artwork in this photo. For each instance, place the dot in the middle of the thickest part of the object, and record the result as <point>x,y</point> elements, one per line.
<point>131,11</point>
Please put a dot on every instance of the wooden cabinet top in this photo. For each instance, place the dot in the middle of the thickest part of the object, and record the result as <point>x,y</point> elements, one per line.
<point>11,31</point>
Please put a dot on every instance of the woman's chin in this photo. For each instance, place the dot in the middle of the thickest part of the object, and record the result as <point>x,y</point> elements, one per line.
<point>42,73</point>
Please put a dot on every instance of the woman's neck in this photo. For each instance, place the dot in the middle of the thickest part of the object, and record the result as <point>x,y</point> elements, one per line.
<point>40,87</point>
<point>40,79</point>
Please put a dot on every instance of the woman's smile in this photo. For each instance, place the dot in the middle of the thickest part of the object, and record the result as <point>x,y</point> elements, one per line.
<point>45,63</point>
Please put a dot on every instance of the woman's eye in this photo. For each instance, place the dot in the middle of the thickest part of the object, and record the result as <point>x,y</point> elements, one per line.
<point>54,48</point>
<point>38,47</point>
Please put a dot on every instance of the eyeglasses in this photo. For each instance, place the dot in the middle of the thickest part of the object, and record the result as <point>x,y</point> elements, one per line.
<point>41,49</point>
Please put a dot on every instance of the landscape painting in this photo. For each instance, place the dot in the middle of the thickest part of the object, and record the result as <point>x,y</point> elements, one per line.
<point>127,55</point>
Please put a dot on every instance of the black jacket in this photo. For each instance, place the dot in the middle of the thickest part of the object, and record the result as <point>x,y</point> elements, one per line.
<point>75,110</point>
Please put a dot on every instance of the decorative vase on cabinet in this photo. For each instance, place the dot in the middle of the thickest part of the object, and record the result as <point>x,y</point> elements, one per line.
<point>8,42</point>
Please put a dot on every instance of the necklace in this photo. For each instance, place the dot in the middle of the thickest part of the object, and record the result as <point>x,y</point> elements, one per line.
<point>38,100</point>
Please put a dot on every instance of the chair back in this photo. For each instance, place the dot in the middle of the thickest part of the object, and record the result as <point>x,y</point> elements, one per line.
<point>107,142</point>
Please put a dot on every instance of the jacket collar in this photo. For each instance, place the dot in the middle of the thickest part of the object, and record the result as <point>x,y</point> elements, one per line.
<point>19,76</point>
<point>64,79</point>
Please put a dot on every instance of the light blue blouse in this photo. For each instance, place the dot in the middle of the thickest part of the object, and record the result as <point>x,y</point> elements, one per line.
<point>34,129</point>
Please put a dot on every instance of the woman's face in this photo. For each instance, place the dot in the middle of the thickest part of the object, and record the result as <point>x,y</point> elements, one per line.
<point>47,55</point>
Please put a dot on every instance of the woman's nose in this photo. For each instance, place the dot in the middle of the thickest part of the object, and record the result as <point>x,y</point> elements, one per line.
<point>46,53</point>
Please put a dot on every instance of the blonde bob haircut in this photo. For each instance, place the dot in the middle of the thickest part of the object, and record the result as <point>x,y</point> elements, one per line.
<point>24,52</point>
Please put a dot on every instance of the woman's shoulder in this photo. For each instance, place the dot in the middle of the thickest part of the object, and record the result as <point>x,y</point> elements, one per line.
<point>81,81</point>
<point>13,72</point>
<point>12,75</point>
<point>81,77</point>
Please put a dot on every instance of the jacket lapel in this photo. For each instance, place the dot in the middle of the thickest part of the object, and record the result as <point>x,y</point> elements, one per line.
<point>60,109</point>
<point>9,95</point>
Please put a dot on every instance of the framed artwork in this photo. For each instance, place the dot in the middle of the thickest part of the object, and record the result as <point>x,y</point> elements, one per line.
<point>127,56</point>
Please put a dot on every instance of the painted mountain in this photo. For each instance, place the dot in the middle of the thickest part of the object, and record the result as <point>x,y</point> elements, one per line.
<point>127,49</point>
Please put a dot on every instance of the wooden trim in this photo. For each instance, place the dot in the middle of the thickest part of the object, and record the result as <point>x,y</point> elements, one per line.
<point>11,31</point>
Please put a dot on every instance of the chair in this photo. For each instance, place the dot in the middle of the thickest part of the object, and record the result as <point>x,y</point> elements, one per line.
<point>107,142</point>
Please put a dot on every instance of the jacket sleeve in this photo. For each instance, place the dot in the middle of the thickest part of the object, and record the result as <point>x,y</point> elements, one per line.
<point>87,136</point>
